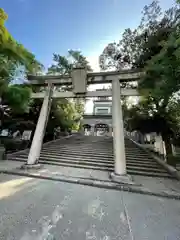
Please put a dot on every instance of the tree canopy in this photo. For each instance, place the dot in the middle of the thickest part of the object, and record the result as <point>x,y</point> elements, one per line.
<point>15,100</point>
<point>154,47</point>
<point>64,64</point>
<point>14,51</point>
<point>69,111</point>
<point>13,55</point>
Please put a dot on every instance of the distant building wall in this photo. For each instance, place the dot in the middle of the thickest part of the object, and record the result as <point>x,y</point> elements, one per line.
<point>102,107</point>
<point>95,120</point>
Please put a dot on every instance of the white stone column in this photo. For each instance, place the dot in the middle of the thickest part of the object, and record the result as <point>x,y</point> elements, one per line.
<point>118,130</point>
<point>37,141</point>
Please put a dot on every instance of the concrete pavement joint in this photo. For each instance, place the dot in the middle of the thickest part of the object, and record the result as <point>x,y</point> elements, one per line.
<point>128,219</point>
<point>99,184</point>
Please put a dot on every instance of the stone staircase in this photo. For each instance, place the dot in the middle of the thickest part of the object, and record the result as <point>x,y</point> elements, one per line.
<point>94,153</point>
<point>178,166</point>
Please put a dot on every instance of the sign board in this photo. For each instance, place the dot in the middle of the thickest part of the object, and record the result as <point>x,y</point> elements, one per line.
<point>79,80</point>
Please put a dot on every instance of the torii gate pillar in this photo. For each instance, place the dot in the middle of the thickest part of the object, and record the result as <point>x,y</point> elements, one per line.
<point>120,172</point>
<point>37,141</point>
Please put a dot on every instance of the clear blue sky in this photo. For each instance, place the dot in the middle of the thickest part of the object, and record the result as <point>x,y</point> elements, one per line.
<point>48,26</point>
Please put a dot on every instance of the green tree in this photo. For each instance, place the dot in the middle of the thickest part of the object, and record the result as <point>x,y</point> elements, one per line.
<point>154,47</point>
<point>13,56</point>
<point>64,65</point>
<point>17,98</point>
<point>14,51</point>
<point>65,113</point>
<point>72,109</point>
<point>137,46</point>
<point>162,81</point>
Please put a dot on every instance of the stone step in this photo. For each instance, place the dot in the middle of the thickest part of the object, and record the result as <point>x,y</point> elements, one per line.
<point>76,142</point>
<point>96,155</point>
<point>93,153</point>
<point>105,150</point>
<point>129,171</point>
<point>109,153</point>
<point>94,158</point>
<point>130,164</point>
<point>178,166</point>
<point>105,147</point>
<point>90,163</point>
<point>92,148</point>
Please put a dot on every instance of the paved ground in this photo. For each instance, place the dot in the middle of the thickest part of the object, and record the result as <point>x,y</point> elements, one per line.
<point>151,184</point>
<point>34,209</point>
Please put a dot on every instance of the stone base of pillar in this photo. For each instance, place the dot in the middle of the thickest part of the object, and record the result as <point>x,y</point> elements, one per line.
<point>31,166</point>
<point>123,179</point>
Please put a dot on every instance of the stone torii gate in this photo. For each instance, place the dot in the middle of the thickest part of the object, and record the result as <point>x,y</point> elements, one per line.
<point>79,80</point>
